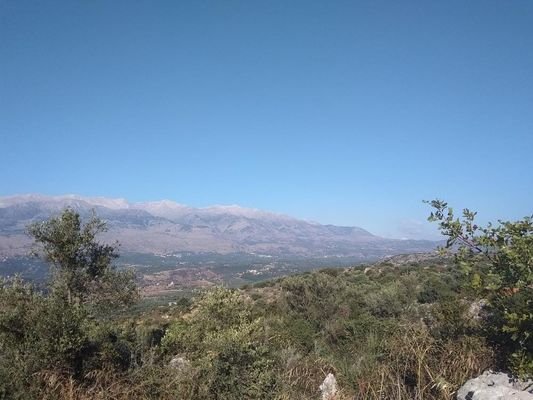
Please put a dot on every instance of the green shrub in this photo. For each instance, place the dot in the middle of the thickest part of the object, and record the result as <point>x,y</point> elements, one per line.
<point>433,290</point>
<point>228,348</point>
<point>498,263</point>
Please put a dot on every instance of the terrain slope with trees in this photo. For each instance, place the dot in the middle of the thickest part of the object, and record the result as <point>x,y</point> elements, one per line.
<point>416,328</point>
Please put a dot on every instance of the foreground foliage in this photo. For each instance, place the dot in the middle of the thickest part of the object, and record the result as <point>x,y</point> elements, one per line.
<point>499,263</point>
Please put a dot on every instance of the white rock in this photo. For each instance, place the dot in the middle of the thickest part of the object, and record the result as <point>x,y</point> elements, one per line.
<point>495,386</point>
<point>477,309</point>
<point>329,387</point>
<point>179,363</point>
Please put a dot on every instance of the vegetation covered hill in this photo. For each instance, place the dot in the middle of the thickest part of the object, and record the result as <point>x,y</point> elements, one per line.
<point>389,332</point>
<point>404,329</point>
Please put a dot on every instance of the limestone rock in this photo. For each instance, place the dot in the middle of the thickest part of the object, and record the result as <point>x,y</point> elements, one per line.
<point>477,310</point>
<point>495,386</point>
<point>180,363</point>
<point>329,387</point>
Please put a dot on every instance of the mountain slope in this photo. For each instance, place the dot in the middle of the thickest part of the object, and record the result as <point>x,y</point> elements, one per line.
<point>165,227</point>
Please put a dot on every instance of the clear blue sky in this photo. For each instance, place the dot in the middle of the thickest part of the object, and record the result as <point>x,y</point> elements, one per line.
<point>345,112</point>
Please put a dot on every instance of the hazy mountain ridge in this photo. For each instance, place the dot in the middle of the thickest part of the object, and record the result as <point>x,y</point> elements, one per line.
<point>166,227</point>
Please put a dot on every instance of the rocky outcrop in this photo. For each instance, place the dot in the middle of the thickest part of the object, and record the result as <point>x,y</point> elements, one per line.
<point>495,386</point>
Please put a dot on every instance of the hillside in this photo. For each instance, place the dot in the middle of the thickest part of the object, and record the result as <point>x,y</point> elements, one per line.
<point>384,332</point>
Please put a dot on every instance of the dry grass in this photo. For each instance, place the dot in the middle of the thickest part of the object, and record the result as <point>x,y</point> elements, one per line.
<point>150,383</point>
<point>415,367</point>
<point>419,368</point>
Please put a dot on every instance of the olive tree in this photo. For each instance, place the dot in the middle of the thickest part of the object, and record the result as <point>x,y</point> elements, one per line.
<point>65,330</point>
<point>82,270</point>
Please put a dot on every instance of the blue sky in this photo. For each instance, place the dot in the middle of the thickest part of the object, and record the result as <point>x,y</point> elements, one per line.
<point>344,112</point>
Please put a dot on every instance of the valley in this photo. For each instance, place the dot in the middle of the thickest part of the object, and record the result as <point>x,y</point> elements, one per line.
<point>173,247</point>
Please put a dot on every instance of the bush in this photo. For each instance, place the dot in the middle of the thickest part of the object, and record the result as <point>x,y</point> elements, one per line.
<point>498,262</point>
<point>229,350</point>
<point>434,290</point>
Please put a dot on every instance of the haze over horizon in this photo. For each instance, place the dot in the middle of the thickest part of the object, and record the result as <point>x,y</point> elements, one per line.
<point>335,112</point>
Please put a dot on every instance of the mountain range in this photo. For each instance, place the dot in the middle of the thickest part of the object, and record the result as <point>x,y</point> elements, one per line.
<point>167,228</point>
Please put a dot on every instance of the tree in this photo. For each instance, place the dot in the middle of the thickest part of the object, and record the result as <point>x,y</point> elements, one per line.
<point>61,332</point>
<point>498,260</point>
<point>81,267</point>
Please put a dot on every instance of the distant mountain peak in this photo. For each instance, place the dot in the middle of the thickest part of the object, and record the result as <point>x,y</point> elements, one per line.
<point>112,203</point>
<point>244,211</point>
<point>165,203</point>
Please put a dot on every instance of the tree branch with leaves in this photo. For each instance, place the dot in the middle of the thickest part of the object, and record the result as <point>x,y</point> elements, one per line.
<point>499,261</point>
